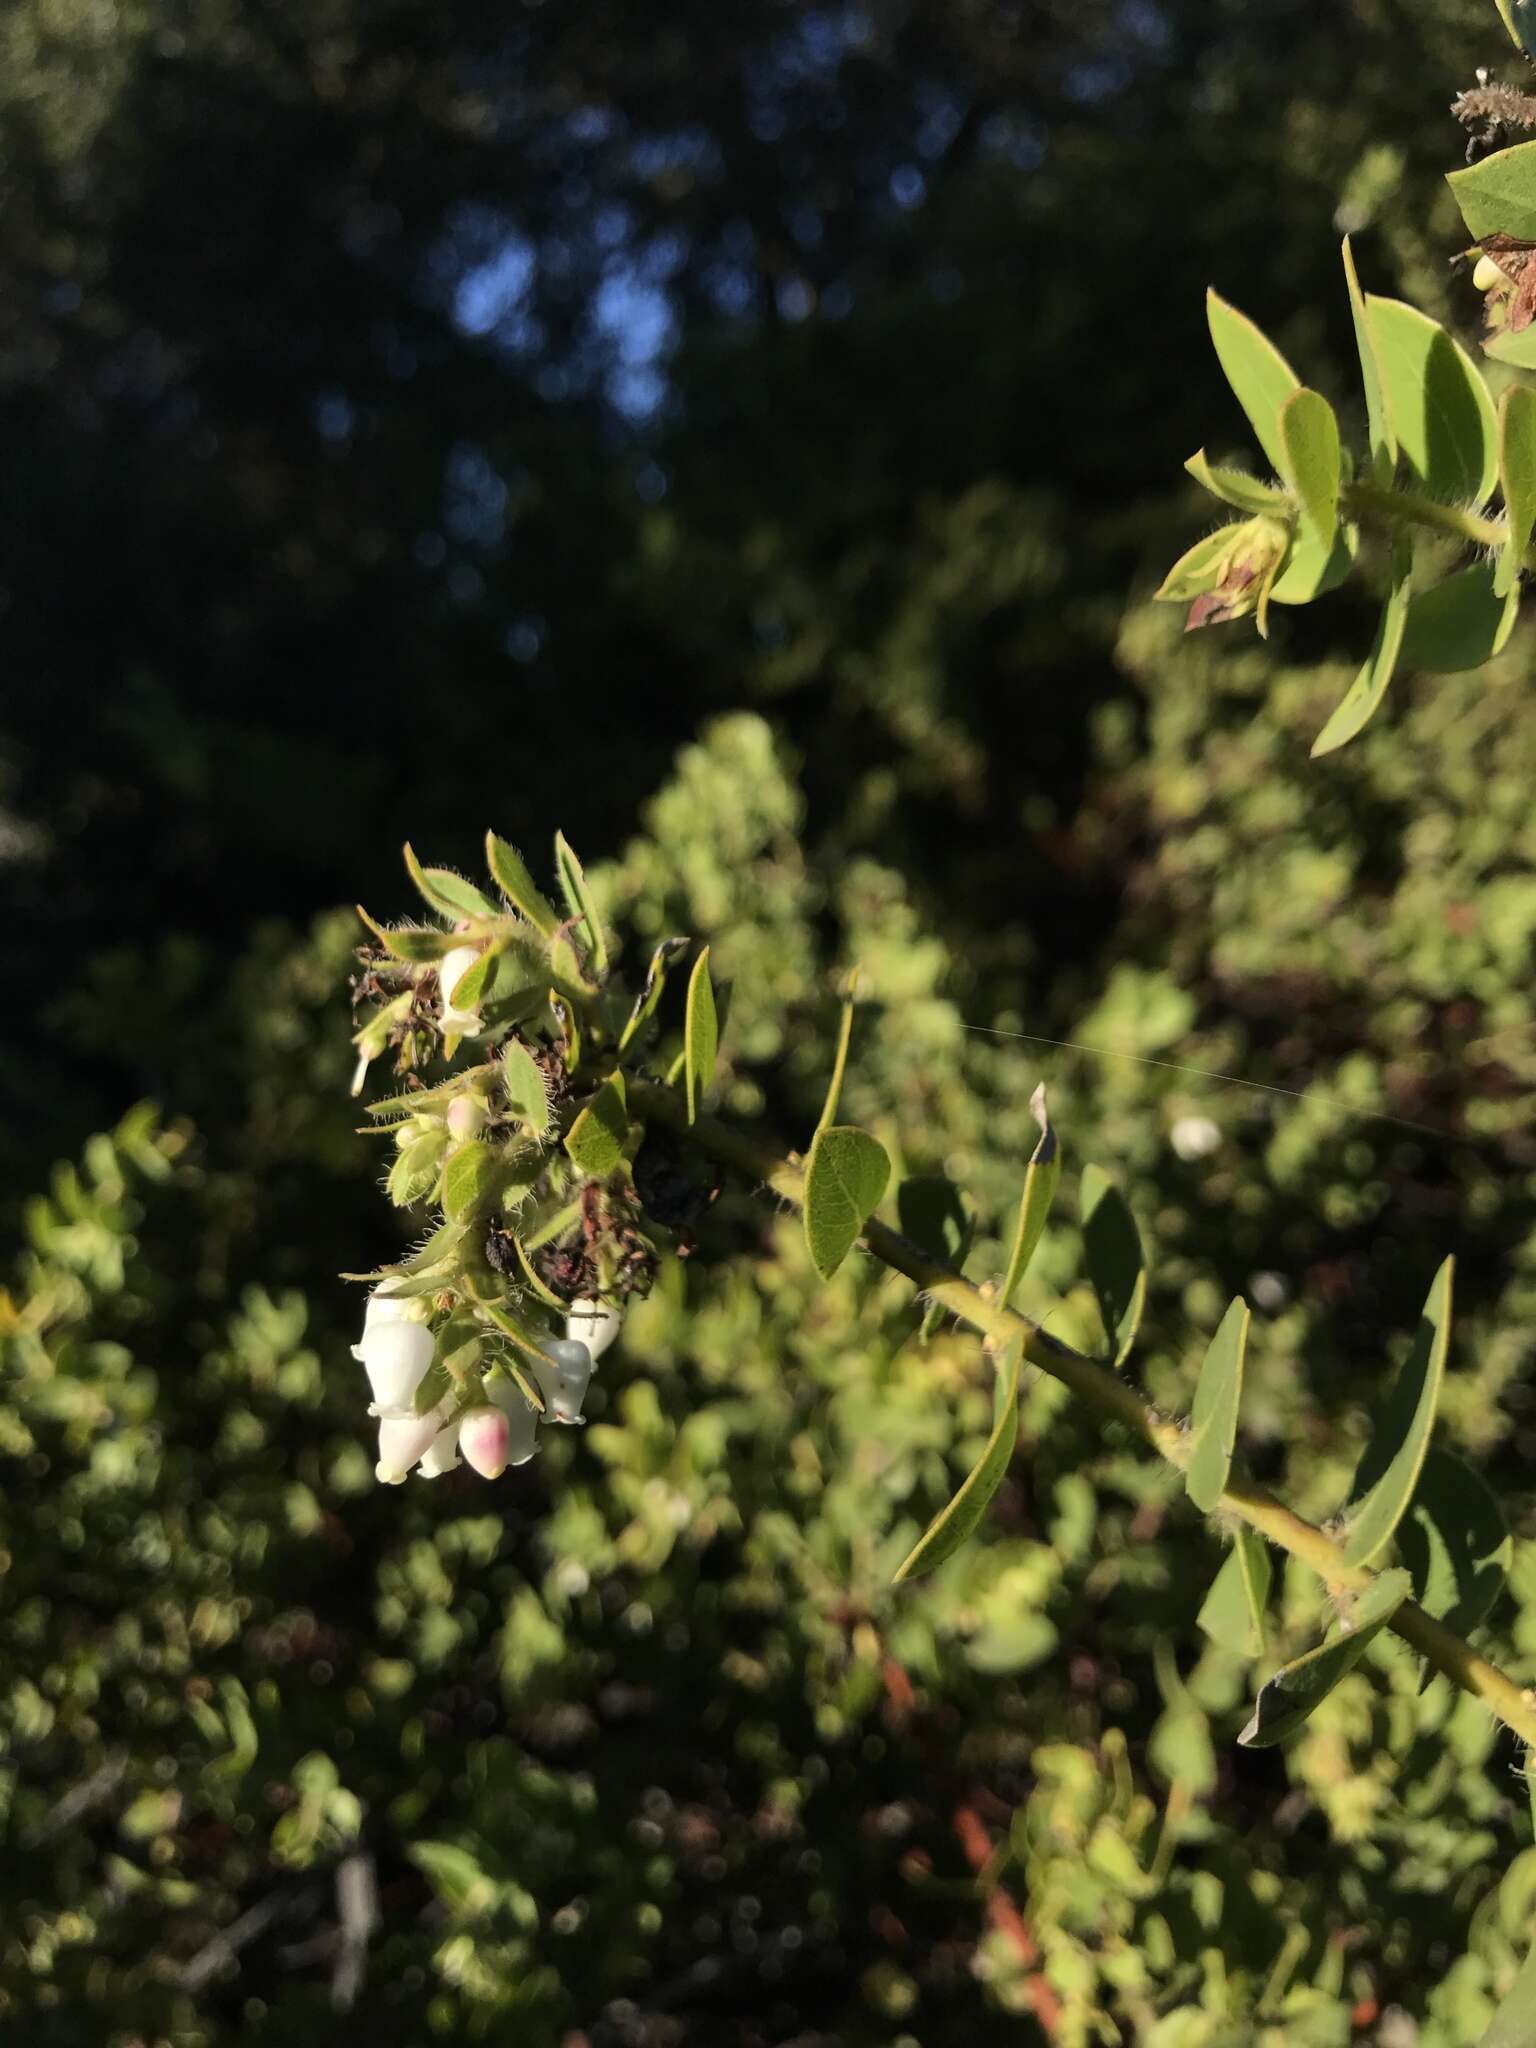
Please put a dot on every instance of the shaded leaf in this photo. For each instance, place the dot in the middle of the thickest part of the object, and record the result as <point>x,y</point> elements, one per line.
<point>1298,1689</point>
<point>1498,195</point>
<point>1363,699</point>
<point>512,878</point>
<point>1113,1256</point>
<point>1454,1544</point>
<point>1442,417</point>
<point>1383,441</point>
<point>1514,2024</point>
<point>931,1211</point>
<point>1389,1472</point>
<point>846,1177</point>
<point>1213,1428</point>
<point>1040,1178</point>
<point>953,1524</point>
<point>1309,437</point>
<point>701,1034</point>
<point>1459,623</point>
<point>1261,379</point>
<point>651,990</point>
<point>1517,479</point>
<point>1233,1611</point>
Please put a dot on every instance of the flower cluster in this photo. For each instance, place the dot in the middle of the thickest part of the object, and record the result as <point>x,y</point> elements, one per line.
<point>490,1421</point>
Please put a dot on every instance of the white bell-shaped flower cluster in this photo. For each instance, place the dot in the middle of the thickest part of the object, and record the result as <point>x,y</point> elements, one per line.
<point>501,1430</point>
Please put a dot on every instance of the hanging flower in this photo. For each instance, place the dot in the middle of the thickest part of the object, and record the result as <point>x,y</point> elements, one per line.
<point>522,1419</point>
<point>483,1438</point>
<point>563,1374</point>
<point>442,1454</point>
<point>405,1439</point>
<point>395,1352</point>
<point>595,1324</point>
<point>451,970</point>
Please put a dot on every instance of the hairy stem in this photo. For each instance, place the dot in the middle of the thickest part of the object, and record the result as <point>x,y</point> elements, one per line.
<point>1111,1395</point>
<point>1389,506</point>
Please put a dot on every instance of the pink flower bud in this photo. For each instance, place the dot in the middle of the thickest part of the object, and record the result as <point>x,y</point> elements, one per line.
<point>467,1116</point>
<point>522,1419</point>
<point>483,1440</point>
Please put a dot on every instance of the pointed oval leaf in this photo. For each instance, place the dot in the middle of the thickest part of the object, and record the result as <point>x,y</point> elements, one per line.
<point>1040,1178</point>
<point>1458,623</point>
<point>1297,1690</point>
<point>447,892</point>
<point>1213,1426</point>
<point>651,990</point>
<point>954,1524</point>
<point>1197,569</point>
<point>1383,443</point>
<point>1498,195</point>
<point>1313,466</point>
<point>846,1177</point>
<point>1442,416</point>
<point>1116,1271</point>
<point>578,894</point>
<point>1261,379</point>
<point>415,942</point>
<point>595,1140</point>
<point>1233,1612</point>
<point>1454,1544</point>
<point>517,885</point>
<point>1363,699</point>
<point>701,1034</point>
<point>524,1085</point>
<point>1518,350</point>
<point>1236,487</point>
<point>1394,1458</point>
<point>469,1179</point>
<point>1517,479</point>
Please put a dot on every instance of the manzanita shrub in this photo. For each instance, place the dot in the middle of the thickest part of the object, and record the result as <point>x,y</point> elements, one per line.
<point>569,1148</point>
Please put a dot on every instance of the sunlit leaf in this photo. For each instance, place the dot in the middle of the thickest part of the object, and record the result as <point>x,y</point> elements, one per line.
<point>701,1034</point>
<point>1363,699</point>
<point>512,878</point>
<point>1298,1689</point>
<point>578,894</point>
<point>1454,1544</point>
<point>1383,442</point>
<point>1309,438</point>
<point>846,1177</point>
<point>1517,479</point>
<point>1233,1611</point>
<point>446,891</point>
<point>1213,1425</point>
<point>1442,416</point>
<point>595,1140</point>
<point>1389,1472</point>
<point>1261,379</point>
<point>955,1523</point>
<point>1040,1178</point>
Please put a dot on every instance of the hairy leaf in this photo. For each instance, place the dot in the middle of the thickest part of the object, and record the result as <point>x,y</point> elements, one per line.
<point>845,1178</point>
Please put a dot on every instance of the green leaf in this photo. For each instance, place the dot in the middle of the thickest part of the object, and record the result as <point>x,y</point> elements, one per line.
<point>1441,414</point>
<point>524,1085</point>
<point>1517,479</point>
<point>454,1875</point>
<point>1296,1690</point>
<point>1261,378</point>
<point>535,1284</point>
<point>1383,441</point>
<point>1195,570</point>
<point>1233,1611</point>
<point>446,891</point>
<point>1498,195</point>
<point>1116,1271</point>
<point>1454,1544</point>
<point>1236,487</point>
<point>1363,699</point>
<point>1514,2024</point>
<point>701,1034</point>
<point>1213,1426</point>
<point>411,941</point>
<point>846,1177</point>
<point>469,1179</point>
<point>468,992</point>
<point>578,894</point>
<point>1458,623</point>
<point>1309,569</point>
<point>655,982</point>
<point>955,1523</point>
<point>1518,350</point>
<point>595,1140</point>
<point>414,1173</point>
<point>517,885</point>
<point>1313,466</point>
<point>1040,1178</point>
<point>1389,1472</point>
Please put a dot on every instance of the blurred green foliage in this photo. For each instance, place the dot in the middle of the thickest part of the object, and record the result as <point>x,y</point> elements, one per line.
<point>305,552</point>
